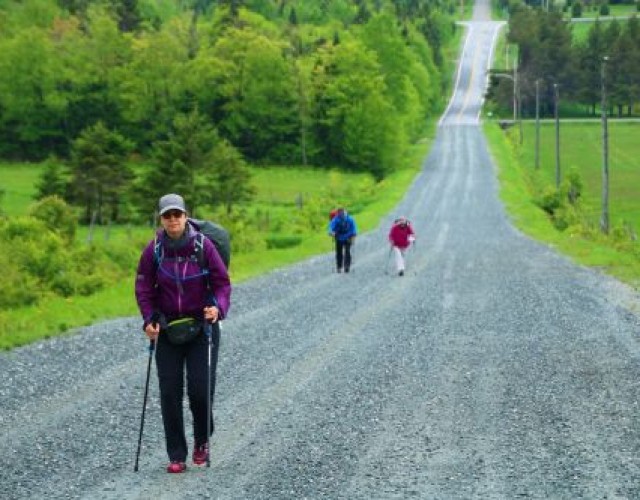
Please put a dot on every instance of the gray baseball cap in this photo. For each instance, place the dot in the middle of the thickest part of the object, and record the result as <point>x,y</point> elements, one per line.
<point>171,202</point>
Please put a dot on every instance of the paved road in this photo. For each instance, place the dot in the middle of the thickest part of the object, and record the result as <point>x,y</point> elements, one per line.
<point>494,369</point>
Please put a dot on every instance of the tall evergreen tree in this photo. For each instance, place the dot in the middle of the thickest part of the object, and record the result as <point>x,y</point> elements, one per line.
<point>99,173</point>
<point>179,162</point>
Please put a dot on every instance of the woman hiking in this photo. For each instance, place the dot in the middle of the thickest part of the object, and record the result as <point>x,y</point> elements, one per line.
<point>401,235</point>
<point>182,283</point>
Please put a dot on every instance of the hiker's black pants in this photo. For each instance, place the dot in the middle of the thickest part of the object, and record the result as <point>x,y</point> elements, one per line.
<point>171,361</point>
<point>343,254</point>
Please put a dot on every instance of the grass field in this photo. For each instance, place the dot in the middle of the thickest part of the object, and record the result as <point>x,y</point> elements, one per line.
<point>579,147</point>
<point>18,181</point>
<point>593,12</point>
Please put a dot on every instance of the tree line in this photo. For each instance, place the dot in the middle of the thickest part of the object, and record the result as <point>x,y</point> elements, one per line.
<point>198,89</point>
<point>547,53</point>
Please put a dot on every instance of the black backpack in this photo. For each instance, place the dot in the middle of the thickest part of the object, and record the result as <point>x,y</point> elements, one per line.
<point>218,235</point>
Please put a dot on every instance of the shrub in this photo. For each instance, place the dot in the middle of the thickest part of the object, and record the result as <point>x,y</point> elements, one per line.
<point>57,217</point>
<point>549,200</point>
<point>572,186</point>
<point>16,288</point>
<point>36,262</point>
<point>244,236</point>
<point>280,241</point>
<point>576,9</point>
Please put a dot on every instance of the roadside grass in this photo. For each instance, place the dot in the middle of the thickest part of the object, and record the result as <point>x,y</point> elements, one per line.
<point>278,188</point>
<point>517,193</point>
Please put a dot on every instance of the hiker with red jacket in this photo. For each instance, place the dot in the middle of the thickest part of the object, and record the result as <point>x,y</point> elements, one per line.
<point>343,229</point>
<point>401,236</point>
<point>182,283</point>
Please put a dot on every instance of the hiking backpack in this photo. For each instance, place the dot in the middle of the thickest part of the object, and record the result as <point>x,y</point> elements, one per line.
<point>342,226</point>
<point>218,235</point>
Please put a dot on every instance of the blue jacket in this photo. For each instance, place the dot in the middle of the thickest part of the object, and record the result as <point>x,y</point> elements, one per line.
<point>342,227</point>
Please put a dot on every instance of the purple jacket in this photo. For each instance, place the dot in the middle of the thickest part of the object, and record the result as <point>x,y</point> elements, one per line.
<point>176,288</point>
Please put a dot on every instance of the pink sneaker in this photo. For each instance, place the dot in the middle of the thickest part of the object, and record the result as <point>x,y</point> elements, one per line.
<point>176,467</point>
<point>200,454</point>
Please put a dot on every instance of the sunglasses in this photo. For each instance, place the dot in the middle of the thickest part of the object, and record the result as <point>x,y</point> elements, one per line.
<point>176,214</point>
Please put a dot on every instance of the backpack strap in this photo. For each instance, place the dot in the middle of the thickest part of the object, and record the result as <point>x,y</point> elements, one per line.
<point>158,252</point>
<point>204,269</point>
<point>199,251</point>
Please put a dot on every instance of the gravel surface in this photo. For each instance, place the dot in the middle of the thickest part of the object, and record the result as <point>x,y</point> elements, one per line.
<point>494,368</point>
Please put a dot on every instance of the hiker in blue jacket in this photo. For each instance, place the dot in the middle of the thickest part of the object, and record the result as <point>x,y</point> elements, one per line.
<point>343,229</point>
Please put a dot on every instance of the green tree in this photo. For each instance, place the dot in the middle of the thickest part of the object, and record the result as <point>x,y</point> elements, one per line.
<point>99,172</point>
<point>93,55</point>
<point>576,9</point>
<point>31,103</point>
<point>151,87</point>
<point>399,65</point>
<point>544,51</point>
<point>231,178</point>
<point>349,85</point>
<point>256,90</point>
<point>589,62</point>
<point>622,70</point>
<point>633,31</point>
<point>181,163</point>
<point>127,14</point>
<point>52,181</point>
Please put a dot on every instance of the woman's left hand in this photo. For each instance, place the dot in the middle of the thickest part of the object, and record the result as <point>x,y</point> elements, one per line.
<point>211,314</point>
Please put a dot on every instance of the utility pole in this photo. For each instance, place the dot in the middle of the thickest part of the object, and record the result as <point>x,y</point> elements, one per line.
<point>604,219</point>
<point>516,90</point>
<point>506,56</point>
<point>556,98</point>
<point>537,163</point>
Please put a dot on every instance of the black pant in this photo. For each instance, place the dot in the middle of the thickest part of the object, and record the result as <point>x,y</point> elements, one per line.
<point>343,254</point>
<point>171,361</point>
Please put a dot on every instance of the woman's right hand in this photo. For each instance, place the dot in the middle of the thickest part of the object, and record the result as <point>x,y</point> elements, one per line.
<point>152,330</point>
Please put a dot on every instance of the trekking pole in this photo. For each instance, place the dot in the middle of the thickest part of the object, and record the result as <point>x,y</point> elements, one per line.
<point>208,327</point>
<point>413,252</point>
<point>386,266</point>
<point>152,344</point>
<point>352,253</point>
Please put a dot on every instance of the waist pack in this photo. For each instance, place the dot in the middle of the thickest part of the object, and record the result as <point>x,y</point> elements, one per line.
<point>183,330</point>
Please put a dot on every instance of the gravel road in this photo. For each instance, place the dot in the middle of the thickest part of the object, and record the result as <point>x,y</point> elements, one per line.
<point>494,369</point>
